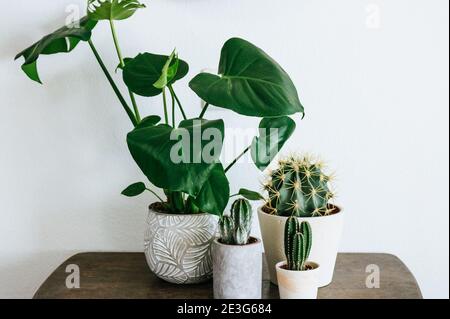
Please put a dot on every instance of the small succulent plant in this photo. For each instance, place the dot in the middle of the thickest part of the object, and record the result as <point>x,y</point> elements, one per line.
<point>235,229</point>
<point>299,187</point>
<point>297,243</point>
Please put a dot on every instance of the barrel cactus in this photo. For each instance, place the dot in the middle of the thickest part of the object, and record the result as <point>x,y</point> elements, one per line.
<point>235,229</point>
<point>299,187</point>
<point>297,243</point>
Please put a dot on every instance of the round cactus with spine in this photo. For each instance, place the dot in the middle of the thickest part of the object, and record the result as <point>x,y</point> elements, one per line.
<point>235,229</point>
<point>299,187</point>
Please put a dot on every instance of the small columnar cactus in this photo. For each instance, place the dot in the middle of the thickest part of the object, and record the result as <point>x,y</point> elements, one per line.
<point>299,187</point>
<point>235,229</point>
<point>297,243</point>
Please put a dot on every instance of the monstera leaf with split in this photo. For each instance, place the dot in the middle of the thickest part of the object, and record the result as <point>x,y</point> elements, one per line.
<point>178,159</point>
<point>274,132</point>
<point>113,9</point>
<point>63,40</point>
<point>250,83</point>
<point>145,70</point>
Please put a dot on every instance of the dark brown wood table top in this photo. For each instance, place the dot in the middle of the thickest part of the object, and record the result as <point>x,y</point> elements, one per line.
<point>126,275</point>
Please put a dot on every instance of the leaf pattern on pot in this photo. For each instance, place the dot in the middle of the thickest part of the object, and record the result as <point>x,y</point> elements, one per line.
<point>178,247</point>
<point>195,266</point>
<point>171,273</point>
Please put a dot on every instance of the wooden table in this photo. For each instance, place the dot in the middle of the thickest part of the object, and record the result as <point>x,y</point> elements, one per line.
<point>126,275</point>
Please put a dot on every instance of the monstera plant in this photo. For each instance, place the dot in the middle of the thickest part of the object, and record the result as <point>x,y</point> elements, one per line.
<point>180,154</point>
<point>171,153</point>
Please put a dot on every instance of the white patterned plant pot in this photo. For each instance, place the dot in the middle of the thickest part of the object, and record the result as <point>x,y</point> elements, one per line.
<point>178,247</point>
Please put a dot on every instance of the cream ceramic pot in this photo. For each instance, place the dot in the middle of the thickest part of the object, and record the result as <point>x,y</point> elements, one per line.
<point>326,231</point>
<point>298,284</point>
<point>178,247</point>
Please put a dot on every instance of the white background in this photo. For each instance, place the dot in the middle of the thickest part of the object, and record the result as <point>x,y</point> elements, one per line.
<point>372,74</point>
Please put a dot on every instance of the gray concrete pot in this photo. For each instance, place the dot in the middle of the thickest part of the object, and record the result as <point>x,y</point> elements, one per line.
<point>178,247</point>
<point>237,270</point>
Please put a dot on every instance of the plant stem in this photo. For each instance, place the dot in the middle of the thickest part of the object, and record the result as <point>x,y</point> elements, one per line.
<point>173,109</point>
<point>113,85</point>
<point>148,189</point>
<point>122,64</point>
<point>166,114</point>
<point>237,159</point>
<point>205,108</point>
<point>172,91</point>
<point>135,107</point>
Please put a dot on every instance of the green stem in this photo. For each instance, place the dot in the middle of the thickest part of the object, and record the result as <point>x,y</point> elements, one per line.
<point>237,159</point>
<point>135,107</point>
<point>205,108</point>
<point>166,114</point>
<point>113,85</point>
<point>161,200</point>
<point>122,64</point>
<point>172,91</point>
<point>173,109</point>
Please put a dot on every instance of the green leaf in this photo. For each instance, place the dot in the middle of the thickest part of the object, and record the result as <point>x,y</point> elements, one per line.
<point>63,40</point>
<point>274,132</point>
<point>141,73</point>
<point>151,120</point>
<point>175,159</point>
<point>32,71</point>
<point>215,193</point>
<point>250,83</point>
<point>250,195</point>
<point>112,9</point>
<point>168,72</point>
<point>134,190</point>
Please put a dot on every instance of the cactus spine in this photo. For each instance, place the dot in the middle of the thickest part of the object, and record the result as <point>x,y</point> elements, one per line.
<point>235,229</point>
<point>297,243</point>
<point>299,188</point>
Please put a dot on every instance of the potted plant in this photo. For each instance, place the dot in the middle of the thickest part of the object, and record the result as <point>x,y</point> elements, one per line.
<point>297,277</point>
<point>182,157</point>
<point>237,257</point>
<point>299,187</point>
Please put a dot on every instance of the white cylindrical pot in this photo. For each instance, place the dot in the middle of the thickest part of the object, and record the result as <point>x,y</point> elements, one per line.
<point>178,247</point>
<point>298,284</point>
<point>237,270</point>
<point>326,232</point>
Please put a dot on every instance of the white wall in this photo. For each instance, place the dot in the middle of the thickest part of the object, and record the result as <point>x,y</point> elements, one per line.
<point>373,76</point>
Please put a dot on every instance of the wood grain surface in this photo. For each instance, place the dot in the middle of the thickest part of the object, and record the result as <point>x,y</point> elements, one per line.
<point>126,275</point>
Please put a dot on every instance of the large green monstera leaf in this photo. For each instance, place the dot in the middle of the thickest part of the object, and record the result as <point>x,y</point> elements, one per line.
<point>274,132</point>
<point>63,40</point>
<point>215,193</point>
<point>178,159</point>
<point>113,9</point>
<point>250,83</point>
<point>141,73</point>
